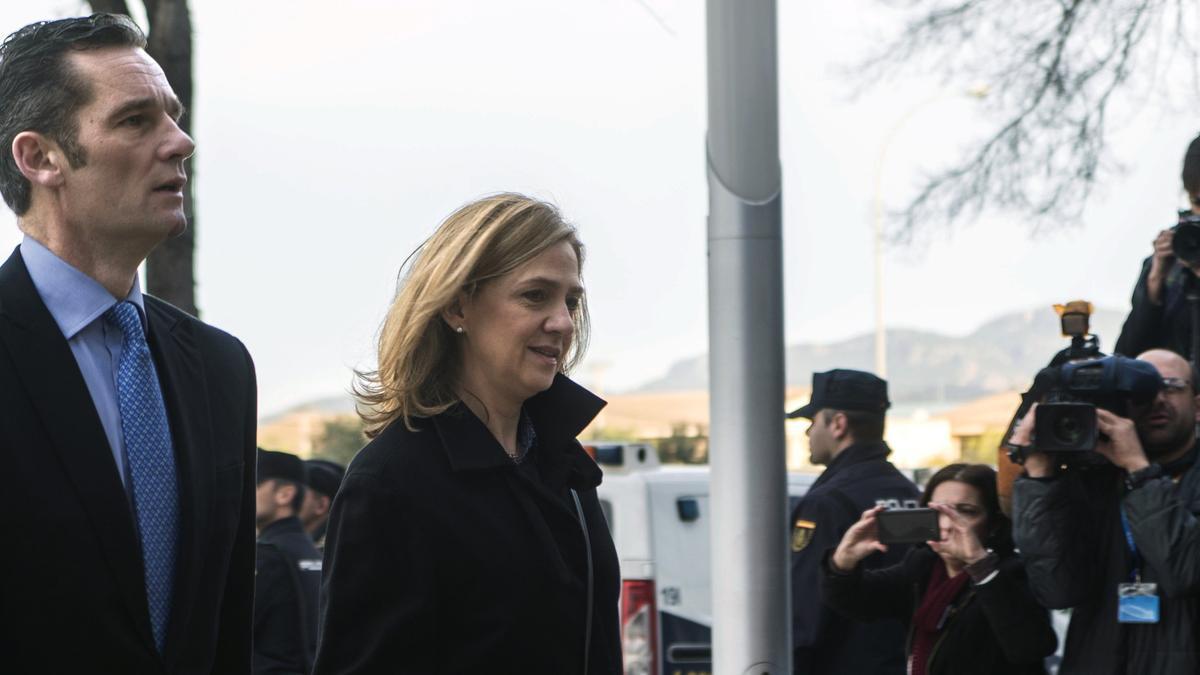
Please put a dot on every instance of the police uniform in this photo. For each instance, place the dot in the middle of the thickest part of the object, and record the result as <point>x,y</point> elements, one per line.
<point>323,477</point>
<point>287,583</point>
<point>859,478</point>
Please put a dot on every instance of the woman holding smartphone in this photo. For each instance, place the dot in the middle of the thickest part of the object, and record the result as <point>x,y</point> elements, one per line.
<point>964,597</point>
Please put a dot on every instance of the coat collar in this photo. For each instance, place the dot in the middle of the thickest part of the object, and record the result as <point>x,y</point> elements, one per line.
<point>559,414</point>
<point>856,453</point>
<point>283,526</point>
<point>73,298</point>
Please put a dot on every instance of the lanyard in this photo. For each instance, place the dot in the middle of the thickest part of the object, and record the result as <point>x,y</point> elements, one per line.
<point>1135,575</point>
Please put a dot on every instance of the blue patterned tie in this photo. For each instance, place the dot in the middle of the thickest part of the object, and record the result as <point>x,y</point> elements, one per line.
<point>151,463</point>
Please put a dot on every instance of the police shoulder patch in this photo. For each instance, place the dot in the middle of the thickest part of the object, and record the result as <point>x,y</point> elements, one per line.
<point>802,534</point>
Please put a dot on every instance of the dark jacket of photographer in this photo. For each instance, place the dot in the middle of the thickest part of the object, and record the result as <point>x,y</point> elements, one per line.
<point>992,628</point>
<point>1167,325</point>
<point>1068,529</point>
<point>824,642</point>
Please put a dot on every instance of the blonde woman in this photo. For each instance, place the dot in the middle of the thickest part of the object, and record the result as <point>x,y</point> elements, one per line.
<point>466,536</point>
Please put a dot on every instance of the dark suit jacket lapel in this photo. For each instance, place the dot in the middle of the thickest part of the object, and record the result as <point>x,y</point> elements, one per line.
<point>49,373</point>
<point>185,393</point>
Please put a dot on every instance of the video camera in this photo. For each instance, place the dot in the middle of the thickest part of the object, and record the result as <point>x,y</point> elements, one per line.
<point>1185,241</point>
<point>1078,380</point>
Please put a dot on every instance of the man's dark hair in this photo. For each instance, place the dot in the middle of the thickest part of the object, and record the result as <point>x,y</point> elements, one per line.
<point>1191,167</point>
<point>40,91</point>
<point>865,427</point>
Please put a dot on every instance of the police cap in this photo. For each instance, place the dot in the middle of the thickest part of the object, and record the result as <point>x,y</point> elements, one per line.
<point>324,476</point>
<point>842,389</point>
<point>280,465</point>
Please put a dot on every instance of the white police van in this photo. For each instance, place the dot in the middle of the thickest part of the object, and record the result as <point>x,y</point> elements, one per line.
<point>660,518</point>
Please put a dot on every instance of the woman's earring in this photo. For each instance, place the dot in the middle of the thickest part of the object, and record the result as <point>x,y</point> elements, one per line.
<point>459,330</point>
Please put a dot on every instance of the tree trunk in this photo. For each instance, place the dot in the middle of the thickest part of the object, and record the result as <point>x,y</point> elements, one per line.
<point>170,273</point>
<point>110,6</point>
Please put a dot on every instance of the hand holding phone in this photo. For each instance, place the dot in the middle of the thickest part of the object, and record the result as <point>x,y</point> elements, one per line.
<point>908,526</point>
<point>860,541</point>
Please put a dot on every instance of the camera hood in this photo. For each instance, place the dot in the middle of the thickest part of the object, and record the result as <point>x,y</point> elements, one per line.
<point>1111,377</point>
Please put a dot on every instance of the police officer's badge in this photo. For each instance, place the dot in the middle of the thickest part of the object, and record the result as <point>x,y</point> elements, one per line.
<point>802,534</point>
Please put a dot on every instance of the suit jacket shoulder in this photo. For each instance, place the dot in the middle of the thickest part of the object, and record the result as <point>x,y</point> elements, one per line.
<point>209,338</point>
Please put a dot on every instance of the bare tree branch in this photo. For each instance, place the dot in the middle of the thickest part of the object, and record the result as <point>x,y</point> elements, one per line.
<point>170,269</point>
<point>1058,70</point>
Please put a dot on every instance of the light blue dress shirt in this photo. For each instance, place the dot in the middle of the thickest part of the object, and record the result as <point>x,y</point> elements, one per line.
<point>78,303</point>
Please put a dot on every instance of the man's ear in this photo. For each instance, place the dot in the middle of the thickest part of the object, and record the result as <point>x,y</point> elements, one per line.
<point>284,494</point>
<point>39,159</point>
<point>837,425</point>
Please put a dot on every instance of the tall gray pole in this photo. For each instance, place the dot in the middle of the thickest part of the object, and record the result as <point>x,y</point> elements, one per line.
<point>751,603</point>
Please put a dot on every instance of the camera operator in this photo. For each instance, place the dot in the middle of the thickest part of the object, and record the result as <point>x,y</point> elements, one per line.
<point>1121,540</point>
<point>1161,314</point>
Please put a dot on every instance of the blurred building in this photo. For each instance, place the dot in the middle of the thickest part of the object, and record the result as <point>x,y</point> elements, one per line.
<point>921,435</point>
<point>977,427</point>
<point>298,429</point>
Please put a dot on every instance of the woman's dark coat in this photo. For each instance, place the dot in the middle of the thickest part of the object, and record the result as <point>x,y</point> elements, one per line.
<point>443,557</point>
<point>996,628</point>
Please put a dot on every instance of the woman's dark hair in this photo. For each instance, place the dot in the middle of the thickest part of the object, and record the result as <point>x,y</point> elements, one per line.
<point>983,478</point>
<point>40,91</point>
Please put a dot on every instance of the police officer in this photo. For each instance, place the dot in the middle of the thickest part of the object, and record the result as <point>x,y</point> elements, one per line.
<point>288,577</point>
<point>847,410</point>
<point>324,477</point>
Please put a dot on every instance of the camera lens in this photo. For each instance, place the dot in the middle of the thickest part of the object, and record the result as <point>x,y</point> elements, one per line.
<point>1186,242</point>
<point>1068,430</point>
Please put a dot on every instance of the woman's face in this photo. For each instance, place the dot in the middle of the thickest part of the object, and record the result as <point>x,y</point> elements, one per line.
<point>518,328</point>
<point>966,501</point>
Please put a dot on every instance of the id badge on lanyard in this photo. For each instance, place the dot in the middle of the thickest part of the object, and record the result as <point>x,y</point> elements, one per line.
<point>1137,602</point>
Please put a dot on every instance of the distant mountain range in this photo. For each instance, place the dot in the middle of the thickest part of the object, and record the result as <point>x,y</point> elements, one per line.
<point>1001,355</point>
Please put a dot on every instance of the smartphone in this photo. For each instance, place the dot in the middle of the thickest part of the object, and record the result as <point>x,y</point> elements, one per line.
<point>908,526</point>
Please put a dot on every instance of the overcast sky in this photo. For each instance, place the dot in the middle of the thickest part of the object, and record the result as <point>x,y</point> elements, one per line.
<point>333,137</point>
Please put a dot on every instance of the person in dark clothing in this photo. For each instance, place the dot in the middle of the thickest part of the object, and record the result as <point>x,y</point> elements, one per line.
<point>323,477</point>
<point>287,580</point>
<point>467,536</point>
<point>1160,315</point>
<point>126,425</point>
<point>847,410</point>
<point>965,598</point>
<point>1075,529</point>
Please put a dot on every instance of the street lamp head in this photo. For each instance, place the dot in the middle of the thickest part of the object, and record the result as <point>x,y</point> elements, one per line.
<point>979,91</point>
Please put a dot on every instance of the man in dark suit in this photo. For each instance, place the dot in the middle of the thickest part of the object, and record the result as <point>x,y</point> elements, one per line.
<point>288,580</point>
<point>126,426</point>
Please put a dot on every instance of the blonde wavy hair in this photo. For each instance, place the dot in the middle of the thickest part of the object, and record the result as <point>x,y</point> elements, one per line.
<point>419,355</point>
